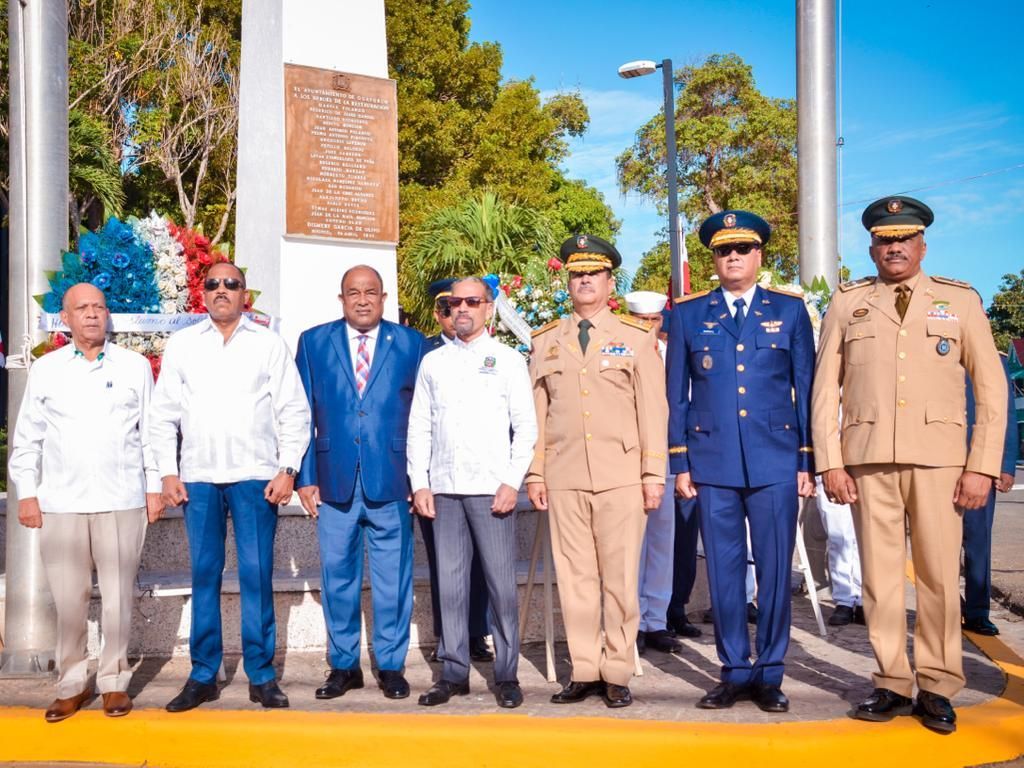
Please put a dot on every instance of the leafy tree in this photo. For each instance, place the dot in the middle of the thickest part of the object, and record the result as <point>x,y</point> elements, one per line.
<point>736,148</point>
<point>484,234</point>
<point>94,176</point>
<point>1006,314</point>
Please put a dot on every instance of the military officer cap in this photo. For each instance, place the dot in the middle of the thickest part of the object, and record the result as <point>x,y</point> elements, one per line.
<point>727,227</point>
<point>588,253</point>
<point>441,288</point>
<point>896,216</point>
<point>645,302</point>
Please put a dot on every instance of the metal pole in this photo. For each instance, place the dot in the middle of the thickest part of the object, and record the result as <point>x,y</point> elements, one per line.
<point>38,34</point>
<point>816,139</point>
<point>675,252</point>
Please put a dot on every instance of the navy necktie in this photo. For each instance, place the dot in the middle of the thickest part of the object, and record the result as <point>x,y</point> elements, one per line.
<point>739,317</point>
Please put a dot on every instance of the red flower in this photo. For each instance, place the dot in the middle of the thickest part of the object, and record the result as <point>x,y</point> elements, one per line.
<point>507,289</point>
<point>517,281</point>
<point>554,264</point>
<point>613,304</point>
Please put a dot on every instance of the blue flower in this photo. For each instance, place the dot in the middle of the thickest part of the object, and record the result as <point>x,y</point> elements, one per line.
<point>119,260</point>
<point>88,257</point>
<point>522,348</point>
<point>560,296</point>
<point>102,280</point>
<point>527,290</point>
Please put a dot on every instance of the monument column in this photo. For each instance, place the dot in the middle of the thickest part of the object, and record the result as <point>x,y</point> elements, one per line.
<point>317,155</point>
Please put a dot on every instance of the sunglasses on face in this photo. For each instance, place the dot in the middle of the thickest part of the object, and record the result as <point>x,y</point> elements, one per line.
<point>230,283</point>
<point>741,248</point>
<point>471,301</point>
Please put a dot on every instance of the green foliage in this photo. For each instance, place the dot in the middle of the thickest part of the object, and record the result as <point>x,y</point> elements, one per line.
<point>1006,313</point>
<point>736,149</point>
<point>94,172</point>
<point>482,235</point>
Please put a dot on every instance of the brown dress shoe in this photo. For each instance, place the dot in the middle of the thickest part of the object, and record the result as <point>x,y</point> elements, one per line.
<point>116,704</point>
<point>62,709</point>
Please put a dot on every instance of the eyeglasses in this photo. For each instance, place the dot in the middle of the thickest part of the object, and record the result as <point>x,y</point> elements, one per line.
<point>230,283</point>
<point>471,301</point>
<point>741,248</point>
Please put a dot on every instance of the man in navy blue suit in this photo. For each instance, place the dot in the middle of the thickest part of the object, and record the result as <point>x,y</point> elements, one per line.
<point>359,374</point>
<point>740,364</point>
<point>440,290</point>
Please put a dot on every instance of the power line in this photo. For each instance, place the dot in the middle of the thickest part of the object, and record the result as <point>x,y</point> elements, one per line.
<point>945,183</point>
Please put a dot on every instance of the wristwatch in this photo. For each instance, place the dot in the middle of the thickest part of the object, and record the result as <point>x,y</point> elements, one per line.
<point>290,471</point>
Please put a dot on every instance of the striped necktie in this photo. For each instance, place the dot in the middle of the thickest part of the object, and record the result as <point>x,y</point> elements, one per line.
<point>362,364</point>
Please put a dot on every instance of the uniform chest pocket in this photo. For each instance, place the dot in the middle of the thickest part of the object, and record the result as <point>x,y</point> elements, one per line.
<point>778,341</point>
<point>859,342</point>
<point>550,368</point>
<point>944,338</point>
<point>707,354</point>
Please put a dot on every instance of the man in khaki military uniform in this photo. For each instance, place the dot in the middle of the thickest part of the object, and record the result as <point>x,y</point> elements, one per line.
<point>599,390</point>
<point>893,352</point>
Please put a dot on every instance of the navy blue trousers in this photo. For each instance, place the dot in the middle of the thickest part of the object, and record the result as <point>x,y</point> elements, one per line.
<point>684,572</point>
<point>978,558</point>
<point>772,513</point>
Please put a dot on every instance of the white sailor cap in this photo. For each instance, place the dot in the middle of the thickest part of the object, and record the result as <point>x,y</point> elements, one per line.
<point>645,302</point>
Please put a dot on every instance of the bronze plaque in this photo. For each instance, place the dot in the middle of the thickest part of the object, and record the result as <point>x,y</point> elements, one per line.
<point>341,155</point>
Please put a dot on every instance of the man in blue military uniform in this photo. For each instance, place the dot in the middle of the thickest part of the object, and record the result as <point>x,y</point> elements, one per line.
<point>440,290</point>
<point>740,364</point>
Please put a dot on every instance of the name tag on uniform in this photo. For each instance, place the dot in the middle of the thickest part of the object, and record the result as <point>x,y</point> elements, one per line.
<point>617,349</point>
<point>489,365</point>
<point>711,329</point>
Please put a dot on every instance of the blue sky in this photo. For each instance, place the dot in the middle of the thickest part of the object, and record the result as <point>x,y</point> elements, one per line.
<point>931,95</point>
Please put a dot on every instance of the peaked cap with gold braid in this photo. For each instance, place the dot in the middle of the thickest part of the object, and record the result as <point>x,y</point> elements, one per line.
<point>588,253</point>
<point>734,227</point>
<point>896,216</point>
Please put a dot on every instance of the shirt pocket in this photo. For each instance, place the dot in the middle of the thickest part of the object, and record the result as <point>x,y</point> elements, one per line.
<point>859,342</point>
<point>939,330</point>
<point>707,355</point>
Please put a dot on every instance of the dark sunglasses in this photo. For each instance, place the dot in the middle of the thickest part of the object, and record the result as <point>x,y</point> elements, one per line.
<point>741,248</point>
<point>230,283</point>
<point>471,301</point>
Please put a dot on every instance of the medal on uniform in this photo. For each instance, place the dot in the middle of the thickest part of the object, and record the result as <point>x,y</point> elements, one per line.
<point>706,362</point>
<point>942,347</point>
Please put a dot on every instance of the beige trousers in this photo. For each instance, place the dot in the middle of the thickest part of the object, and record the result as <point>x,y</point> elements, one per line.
<point>596,540</point>
<point>70,545</point>
<point>889,493</point>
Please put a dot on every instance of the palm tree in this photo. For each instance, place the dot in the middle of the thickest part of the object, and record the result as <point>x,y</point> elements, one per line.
<point>94,175</point>
<point>482,235</point>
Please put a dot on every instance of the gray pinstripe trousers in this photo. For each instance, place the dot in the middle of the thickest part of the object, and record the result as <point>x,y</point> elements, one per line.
<point>464,524</point>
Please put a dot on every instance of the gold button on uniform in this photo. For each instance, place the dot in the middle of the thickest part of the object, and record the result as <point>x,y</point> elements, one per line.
<point>586,414</point>
<point>902,379</point>
<point>743,411</point>
<point>740,347</point>
<point>583,372</point>
<point>586,392</point>
<point>903,331</point>
<point>902,355</point>
<point>588,435</point>
<point>741,368</point>
<point>743,390</point>
<point>901,403</point>
<point>774,346</point>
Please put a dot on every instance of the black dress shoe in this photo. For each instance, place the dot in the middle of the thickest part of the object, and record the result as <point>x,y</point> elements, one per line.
<point>751,613</point>
<point>722,696</point>
<point>432,657</point>
<point>981,627</point>
<point>269,694</point>
<point>192,695</point>
<point>574,692</point>
<point>641,642</point>
<point>683,628</point>
<point>883,705</point>
<point>442,691</point>
<point>935,712</point>
<point>858,615</point>
<point>708,617</point>
<point>662,640</point>
<point>616,696</point>
<point>769,698</point>
<point>393,683</point>
<point>841,616</point>
<point>509,695</point>
<point>478,650</point>
<point>339,681</point>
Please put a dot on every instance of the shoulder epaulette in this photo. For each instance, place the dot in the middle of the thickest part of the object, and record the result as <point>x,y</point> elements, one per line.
<point>952,281</point>
<point>851,284</point>
<point>773,289</point>
<point>544,328</point>
<point>690,296</point>
<point>629,320</point>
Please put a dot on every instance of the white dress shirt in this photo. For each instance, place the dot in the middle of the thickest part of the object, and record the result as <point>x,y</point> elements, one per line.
<point>353,343</point>
<point>239,403</point>
<point>81,444</point>
<point>467,397</point>
<point>747,296</point>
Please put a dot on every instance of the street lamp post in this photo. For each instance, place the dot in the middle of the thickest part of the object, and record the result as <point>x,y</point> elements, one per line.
<point>639,69</point>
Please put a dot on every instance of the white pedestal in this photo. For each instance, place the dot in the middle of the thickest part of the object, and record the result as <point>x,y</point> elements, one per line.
<point>299,278</point>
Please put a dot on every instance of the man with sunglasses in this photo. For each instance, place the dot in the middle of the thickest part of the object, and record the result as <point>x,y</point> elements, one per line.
<point>359,374</point>
<point>599,391</point>
<point>465,472</point>
<point>740,362</point>
<point>440,290</point>
<point>231,387</point>
<point>893,352</point>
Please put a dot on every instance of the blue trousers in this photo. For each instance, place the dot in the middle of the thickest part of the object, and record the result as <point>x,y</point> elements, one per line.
<point>684,572</point>
<point>388,529</point>
<point>255,522</point>
<point>978,558</point>
<point>772,513</point>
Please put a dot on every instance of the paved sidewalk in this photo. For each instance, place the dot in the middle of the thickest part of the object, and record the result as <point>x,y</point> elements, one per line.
<point>1008,548</point>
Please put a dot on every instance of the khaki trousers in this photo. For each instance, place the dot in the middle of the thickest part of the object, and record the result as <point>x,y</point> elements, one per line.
<point>887,494</point>
<point>596,540</point>
<point>70,545</point>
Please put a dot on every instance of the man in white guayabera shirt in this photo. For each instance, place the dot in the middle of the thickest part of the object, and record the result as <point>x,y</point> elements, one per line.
<point>232,389</point>
<point>465,473</point>
<point>85,476</point>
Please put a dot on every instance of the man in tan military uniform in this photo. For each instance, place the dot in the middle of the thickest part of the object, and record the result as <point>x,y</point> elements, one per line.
<point>599,390</point>
<point>893,352</point>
